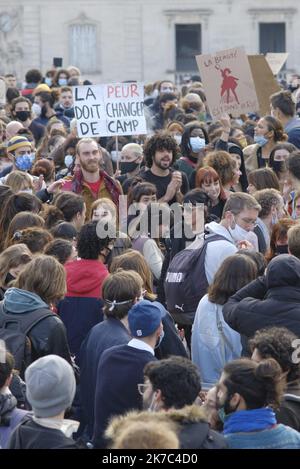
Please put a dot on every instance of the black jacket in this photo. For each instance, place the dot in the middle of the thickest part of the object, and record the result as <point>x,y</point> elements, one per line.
<point>192,427</point>
<point>30,435</point>
<point>272,300</point>
<point>289,411</point>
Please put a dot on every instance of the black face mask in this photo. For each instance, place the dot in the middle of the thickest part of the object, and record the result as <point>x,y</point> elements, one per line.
<point>22,115</point>
<point>282,249</point>
<point>128,167</point>
<point>278,166</point>
<point>44,111</point>
<point>9,278</point>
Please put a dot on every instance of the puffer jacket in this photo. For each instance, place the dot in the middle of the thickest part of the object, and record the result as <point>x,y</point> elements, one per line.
<point>272,300</point>
<point>192,427</point>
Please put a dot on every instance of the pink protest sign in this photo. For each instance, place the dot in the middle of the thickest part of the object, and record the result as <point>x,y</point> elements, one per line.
<point>228,82</point>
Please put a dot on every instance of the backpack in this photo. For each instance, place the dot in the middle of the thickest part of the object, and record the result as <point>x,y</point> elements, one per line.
<point>186,282</point>
<point>13,331</point>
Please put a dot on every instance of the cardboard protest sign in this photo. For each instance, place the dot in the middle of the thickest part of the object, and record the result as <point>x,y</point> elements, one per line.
<point>265,83</point>
<point>228,83</point>
<point>109,110</point>
<point>276,61</point>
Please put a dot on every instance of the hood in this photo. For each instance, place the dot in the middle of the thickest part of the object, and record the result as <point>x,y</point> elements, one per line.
<point>188,414</point>
<point>216,228</point>
<point>283,271</point>
<point>21,301</point>
<point>85,277</point>
<point>7,404</point>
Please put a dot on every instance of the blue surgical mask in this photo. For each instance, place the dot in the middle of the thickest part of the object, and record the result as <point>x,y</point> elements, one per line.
<point>24,162</point>
<point>62,81</point>
<point>260,140</point>
<point>69,161</point>
<point>48,81</point>
<point>197,143</point>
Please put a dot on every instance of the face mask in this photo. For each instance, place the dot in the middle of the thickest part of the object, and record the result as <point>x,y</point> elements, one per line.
<point>152,406</point>
<point>239,234</point>
<point>69,160</point>
<point>243,142</point>
<point>278,166</point>
<point>115,156</point>
<point>197,143</point>
<point>36,109</point>
<point>160,339</point>
<point>260,140</point>
<point>23,115</point>
<point>9,278</point>
<point>48,81</point>
<point>178,139</point>
<point>274,219</point>
<point>282,249</point>
<point>28,191</point>
<point>62,81</point>
<point>24,162</point>
<point>128,167</point>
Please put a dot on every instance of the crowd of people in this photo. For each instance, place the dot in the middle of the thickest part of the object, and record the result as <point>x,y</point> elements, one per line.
<point>150,284</point>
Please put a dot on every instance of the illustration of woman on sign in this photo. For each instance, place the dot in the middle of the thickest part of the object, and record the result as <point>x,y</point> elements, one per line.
<point>229,84</point>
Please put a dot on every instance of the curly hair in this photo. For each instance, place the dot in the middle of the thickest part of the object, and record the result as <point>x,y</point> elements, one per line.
<point>267,198</point>
<point>159,142</point>
<point>177,378</point>
<point>276,342</point>
<point>89,244</point>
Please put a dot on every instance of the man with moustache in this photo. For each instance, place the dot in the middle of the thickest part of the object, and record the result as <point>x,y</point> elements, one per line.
<point>160,153</point>
<point>89,180</point>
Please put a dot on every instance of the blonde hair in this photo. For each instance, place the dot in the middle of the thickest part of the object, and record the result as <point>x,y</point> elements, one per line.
<point>45,277</point>
<point>11,258</point>
<point>18,181</point>
<point>106,203</point>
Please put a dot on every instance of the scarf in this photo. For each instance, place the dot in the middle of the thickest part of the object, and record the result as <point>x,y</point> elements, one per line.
<point>249,421</point>
<point>110,184</point>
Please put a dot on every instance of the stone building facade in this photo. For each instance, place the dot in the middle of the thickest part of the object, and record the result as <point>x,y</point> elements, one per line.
<point>146,40</point>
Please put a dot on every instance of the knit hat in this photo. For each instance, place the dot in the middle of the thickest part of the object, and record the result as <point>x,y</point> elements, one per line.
<point>16,142</point>
<point>145,317</point>
<point>41,88</point>
<point>50,386</point>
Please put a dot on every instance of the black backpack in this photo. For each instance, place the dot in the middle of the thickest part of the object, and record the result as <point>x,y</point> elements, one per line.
<point>13,331</point>
<point>186,282</point>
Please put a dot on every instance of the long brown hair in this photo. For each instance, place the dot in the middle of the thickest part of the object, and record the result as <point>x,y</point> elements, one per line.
<point>279,233</point>
<point>45,277</point>
<point>11,258</point>
<point>134,260</point>
<point>234,273</point>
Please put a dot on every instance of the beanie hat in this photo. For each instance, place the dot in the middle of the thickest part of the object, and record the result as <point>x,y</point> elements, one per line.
<point>41,88</point>
<point>145,317</point>
<point>50,386</point>
<point>17,142</point>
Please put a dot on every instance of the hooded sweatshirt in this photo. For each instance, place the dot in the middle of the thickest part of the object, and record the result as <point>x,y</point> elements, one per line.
<point>85,278</point>
<point>21,301</point>
<point>217,251</point>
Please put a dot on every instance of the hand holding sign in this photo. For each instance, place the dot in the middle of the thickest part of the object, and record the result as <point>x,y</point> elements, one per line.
<point>110,110</point>
<point>228,82</point>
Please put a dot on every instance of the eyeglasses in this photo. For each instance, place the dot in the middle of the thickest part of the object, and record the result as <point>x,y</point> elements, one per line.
<point>142,388</point>
<point>248,221</point>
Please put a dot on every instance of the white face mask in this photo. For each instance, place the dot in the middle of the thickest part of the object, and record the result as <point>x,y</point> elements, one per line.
<point>36,109</point>
<point>239,234</point>
<point>178,139</point>
<point>115,156</point>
